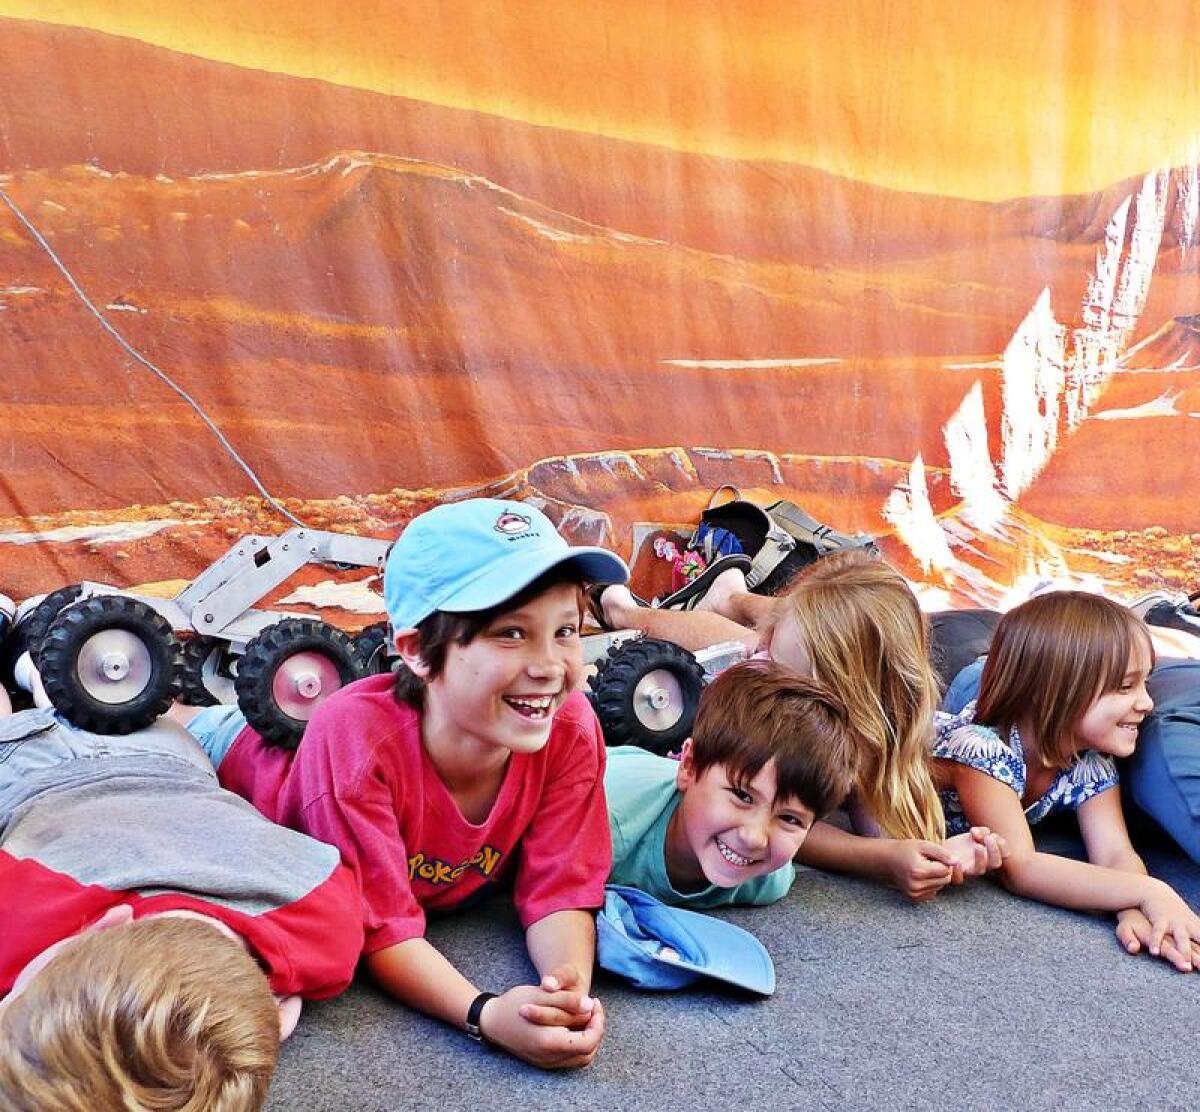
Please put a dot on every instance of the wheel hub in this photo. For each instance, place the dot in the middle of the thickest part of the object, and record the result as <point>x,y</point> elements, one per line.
<point>302,681</point>
<point>658,700</point>
<point>114,666</point>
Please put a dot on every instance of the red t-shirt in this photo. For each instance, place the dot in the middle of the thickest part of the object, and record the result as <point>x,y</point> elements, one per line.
<point>362,781</point>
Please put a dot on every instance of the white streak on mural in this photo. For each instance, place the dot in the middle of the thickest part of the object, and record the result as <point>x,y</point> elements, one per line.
<point>1187,184</point>
<point>972,474</point>
<point>1032,386</point>
<point>1051,377</point>
<point>909,512</point>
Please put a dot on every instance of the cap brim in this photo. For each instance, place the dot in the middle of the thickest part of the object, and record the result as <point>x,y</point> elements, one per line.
<point>505,578</point>
<point>731,954</point>
<point>705,947</point>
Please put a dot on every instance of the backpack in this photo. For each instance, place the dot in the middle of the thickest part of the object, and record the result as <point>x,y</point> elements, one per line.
<point>780,538</point>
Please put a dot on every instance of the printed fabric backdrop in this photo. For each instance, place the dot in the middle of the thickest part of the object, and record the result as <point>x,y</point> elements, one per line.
<point>928,268</point>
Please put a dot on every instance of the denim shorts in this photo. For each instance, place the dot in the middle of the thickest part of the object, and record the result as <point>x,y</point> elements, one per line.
<point>40,751</point>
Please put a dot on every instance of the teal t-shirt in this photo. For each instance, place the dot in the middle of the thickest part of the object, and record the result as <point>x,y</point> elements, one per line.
<point>642,797</point>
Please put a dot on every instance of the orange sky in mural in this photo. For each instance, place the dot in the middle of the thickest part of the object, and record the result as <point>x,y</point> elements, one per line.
<point>946,96</point>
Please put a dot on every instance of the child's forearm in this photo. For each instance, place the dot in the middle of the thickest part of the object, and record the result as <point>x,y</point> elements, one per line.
<point>835,850</point>
<point>1079,885</point>
<point>563,938</point>
<point>418,975</point>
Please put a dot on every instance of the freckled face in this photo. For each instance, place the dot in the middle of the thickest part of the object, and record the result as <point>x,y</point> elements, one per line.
<point>504,687</point>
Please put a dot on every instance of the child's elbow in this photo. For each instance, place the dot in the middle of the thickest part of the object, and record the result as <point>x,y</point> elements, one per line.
<point>1013,874</point>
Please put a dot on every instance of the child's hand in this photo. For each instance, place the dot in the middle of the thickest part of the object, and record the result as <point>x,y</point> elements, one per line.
<point>919,869</point>
<point>562,1002</point>
<point>1174,927</point>
<point>1134,930</point>
<point>976,853</point>
<point>548,1046</point>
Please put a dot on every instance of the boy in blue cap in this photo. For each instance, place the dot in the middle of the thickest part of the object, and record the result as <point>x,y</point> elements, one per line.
<point>478,759</point>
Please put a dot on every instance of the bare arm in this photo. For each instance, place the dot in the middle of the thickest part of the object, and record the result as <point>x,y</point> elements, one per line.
<point>919,869</point>
<point>1062,882</point>
<point>691,629</point>
<point>565,938</point>
<point>1106,838</point>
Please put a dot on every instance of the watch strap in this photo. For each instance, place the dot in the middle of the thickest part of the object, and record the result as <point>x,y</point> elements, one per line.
<point>475,1013</point>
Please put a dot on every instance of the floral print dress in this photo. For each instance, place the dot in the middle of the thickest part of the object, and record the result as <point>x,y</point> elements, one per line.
<point>959,738</point>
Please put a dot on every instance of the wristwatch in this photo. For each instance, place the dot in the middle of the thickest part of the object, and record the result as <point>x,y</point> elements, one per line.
<point>475,1012</point>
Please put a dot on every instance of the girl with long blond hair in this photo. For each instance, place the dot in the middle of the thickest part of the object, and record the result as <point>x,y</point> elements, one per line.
<point>851,621</point>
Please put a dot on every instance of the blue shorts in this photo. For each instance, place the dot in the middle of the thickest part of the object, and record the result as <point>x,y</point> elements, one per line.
<point>216,729</point>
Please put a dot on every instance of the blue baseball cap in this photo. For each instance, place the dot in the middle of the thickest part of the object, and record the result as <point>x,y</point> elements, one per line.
<point>475,554</point>
<point>661,947</point>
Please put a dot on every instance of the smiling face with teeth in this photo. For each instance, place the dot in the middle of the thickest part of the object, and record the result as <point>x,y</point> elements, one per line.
<point>1110,724</point>
<point>724,832</point>
<point>498,693</point>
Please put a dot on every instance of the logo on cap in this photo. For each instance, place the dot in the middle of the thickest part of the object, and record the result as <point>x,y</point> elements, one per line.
<point>511,523</point>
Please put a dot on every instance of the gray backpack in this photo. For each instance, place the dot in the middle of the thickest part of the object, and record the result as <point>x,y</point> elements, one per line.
<point>780,539</point>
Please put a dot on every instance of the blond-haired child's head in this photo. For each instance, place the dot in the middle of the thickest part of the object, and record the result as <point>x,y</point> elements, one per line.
<point>1051,658</point>
<point>163,1013</point>
<point>863,635</point>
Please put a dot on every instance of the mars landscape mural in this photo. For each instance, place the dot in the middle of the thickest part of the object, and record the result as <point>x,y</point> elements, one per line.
<point>389,296</point>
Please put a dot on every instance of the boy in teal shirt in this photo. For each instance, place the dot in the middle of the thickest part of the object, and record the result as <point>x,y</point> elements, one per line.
<point>772,751</point>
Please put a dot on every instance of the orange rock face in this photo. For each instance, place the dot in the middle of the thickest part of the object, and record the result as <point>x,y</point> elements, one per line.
<point>394,303</point>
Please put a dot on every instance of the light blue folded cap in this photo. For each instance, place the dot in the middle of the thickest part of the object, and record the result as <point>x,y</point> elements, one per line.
<point>475,554</point>
<point>660,947</point>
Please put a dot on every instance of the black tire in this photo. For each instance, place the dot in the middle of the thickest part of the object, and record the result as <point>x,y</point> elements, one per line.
<point>208,674</point>
<point>371,645</point>
<point>958,637</point>
<point>287,671</point>
<point>110,664</point>
<point>646,693</point>
<point>29,633</point>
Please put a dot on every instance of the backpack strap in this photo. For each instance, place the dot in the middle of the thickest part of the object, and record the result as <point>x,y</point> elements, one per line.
<point>805,527</point>
<point>790,526</point>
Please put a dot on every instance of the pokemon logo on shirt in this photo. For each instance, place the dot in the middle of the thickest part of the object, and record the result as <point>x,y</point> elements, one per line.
<point>433,871</point>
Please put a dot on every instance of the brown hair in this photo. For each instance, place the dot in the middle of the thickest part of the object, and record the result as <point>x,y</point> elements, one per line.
<point>1050,659</point>
<point>867,640</point>
<point>757,712</point>
<point>442,629</point>
<point>160,1014</point>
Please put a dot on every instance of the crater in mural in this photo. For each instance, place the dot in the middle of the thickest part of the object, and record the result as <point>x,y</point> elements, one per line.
<point>402,303</point>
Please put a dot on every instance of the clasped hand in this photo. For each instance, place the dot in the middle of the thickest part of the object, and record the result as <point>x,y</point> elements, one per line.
<point>554,1024</point>
<point>921,869</point>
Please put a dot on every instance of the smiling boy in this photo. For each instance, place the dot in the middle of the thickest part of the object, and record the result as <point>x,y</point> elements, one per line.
<point>771,752</point>
<point>479,760</point>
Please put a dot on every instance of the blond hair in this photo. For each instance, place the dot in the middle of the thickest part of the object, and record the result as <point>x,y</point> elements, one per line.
<point>867,640</point>
<point>163,1013</point>
<point>1050,659</point>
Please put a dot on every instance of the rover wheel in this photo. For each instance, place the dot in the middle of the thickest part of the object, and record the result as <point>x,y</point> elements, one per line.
<point>287,671</point>
<point>371,644</point>
<point>645,693</point>
<point>209,670</point>
<point>29,633</point>
<point>110,664</point>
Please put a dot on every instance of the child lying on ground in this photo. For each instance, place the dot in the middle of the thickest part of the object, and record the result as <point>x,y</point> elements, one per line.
<point>479,760</point>
<point>146,917</point>
<point>853,623</point>
<point>772,752</point>
<point>1063,692</point>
